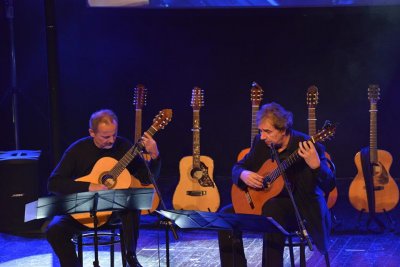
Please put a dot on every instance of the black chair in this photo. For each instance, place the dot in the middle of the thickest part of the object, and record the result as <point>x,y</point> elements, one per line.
<point>108,235</point>
<point>293,240</point>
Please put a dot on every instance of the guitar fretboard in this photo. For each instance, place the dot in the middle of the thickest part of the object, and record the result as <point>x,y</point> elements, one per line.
<point>138,124</point>
<point>130,155</point>
<point>254,128</point>
<point>312,122</point>
<point>373,145</point>
<point>196,138</point>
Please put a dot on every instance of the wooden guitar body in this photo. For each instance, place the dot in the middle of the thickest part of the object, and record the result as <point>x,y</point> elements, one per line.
<point>385,188</point>
<point>99,173</point>
<point>139,100</point>
<point>243,153</point>
<point>189,193</point>
<point>240,197</point>
<point>312,101</point>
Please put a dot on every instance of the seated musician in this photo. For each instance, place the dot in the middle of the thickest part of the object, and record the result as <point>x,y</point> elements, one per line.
<point>310,177</point>
<point>79,160</point>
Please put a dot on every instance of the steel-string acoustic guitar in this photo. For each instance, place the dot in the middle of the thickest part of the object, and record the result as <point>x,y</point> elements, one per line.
<point>139,101</point>
<point>383,193</point>
<point>196,189</point>
<point>312,101</point>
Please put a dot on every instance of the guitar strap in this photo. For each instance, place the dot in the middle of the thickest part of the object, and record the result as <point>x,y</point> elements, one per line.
<point>367,173</point>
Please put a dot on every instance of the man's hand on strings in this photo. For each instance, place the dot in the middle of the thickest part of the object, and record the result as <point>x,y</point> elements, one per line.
<point>150,145</point>
<point>310,155</point>
<point>252,179</point>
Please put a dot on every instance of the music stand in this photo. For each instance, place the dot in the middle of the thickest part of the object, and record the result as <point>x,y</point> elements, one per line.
<point>93,202</point>
<point>192,219</point>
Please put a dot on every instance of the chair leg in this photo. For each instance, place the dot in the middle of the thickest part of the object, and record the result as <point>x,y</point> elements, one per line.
<point>327,261</point>
<point>123,250</point>
<point>290,241</point>
<point>302,254</point>
<point>112,247</point>
<point>80,249</point>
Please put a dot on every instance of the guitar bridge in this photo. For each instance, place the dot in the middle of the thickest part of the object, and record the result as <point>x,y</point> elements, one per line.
<point>196,193</point>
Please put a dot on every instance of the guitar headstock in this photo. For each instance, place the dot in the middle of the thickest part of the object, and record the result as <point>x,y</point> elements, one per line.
<point>312,96</point>
<point>327,132</point>
<point>256,94</point>
<point>162,119</point>
<point>139,97</point>
<point>197,98</point>
<point>373,93</point>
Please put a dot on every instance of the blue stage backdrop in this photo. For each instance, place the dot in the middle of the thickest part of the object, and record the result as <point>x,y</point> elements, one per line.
<point>105,52</point>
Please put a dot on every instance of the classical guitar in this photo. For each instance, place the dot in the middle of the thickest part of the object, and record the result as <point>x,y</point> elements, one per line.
<point>196,189</point>
<point>384,190</point>
<point>113,173</point>
<point>251,200</point>
<point>139,101</point>
<point>312,101</point>
<point>256,94</point>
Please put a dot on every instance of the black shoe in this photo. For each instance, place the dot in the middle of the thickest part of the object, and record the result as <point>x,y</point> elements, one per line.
<point>132,261</point>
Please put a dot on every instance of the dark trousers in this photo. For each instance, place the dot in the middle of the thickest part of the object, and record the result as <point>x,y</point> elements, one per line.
<point>231,244</point>
<point>61,230</point>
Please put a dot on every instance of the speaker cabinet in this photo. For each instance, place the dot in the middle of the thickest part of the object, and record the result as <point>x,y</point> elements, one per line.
<point>19,180</point>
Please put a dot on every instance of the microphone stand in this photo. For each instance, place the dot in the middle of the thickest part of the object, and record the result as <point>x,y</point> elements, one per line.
<point>165,222</point>
<point>303,231</point>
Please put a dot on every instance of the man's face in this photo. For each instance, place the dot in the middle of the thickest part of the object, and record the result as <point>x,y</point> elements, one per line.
<point>105,135</point>
<point>270,134</point>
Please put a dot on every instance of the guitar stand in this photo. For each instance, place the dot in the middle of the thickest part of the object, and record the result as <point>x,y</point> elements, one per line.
<point>373,218</point>
<point>335,221</point>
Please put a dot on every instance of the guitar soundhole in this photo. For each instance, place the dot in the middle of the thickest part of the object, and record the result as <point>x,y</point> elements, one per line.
<point>108,180</point>
<point>380,173</point>
<point>196,173</point>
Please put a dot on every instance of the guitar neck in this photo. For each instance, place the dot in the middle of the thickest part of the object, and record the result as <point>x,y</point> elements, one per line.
<point>138,124</point>
<point>254,128</point>
<point>196,138</point>
<point>373,146</point>
<point>130,155</point>
<point>285,165</point>
<point>312,122</point>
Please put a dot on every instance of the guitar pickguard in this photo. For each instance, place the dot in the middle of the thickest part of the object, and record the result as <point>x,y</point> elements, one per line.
<point>201,174</point>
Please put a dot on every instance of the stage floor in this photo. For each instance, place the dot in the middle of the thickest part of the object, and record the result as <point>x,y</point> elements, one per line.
<point>200,248</point>
<point>351,243</point>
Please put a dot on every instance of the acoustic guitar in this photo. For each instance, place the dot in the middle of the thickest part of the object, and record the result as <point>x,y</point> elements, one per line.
<point>251,200</point>
<point>385,191</point>
<point>312,101</point>
<point>256,95</point>
<point>139,101</point>
<point>113,173</point>
<point>196,189</point>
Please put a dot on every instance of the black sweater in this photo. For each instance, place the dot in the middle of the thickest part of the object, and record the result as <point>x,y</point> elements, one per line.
<point>80,157</point>
<point>308,185</point>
